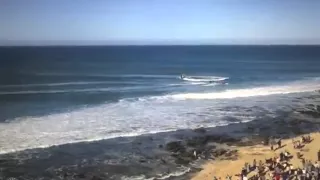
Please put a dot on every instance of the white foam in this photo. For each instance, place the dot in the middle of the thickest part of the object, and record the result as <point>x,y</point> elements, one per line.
<point>198,83</point>
<point>211,84</point>
<point>250,92</point>
<point>132,117</point>
<point>73,90</point>
<point>65,84</point>
<point>104,75</point>
<point>173,174</point>
<point>176,174</point>
<point>56,91</point>
<point>123,118</point>
<point>204,78</point>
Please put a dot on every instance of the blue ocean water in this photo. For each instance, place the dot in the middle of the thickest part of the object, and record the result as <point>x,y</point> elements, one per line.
<point>58,95</point>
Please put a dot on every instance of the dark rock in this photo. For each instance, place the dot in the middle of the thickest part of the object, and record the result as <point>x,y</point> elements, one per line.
<point>187,154</point>
<point>96,178</point>
<point>182,161</point>
<point>81,175</point>
<point>175,146</point>
<point>314,114</point>
<point>203,140</point>
<point>221,138</point>
<point>231,153</point>
<point>200,130</point>
<point>197,141</point>
<point>163,161</point>
<point>219,152</point>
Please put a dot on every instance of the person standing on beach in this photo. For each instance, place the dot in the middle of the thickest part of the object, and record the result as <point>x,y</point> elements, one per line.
<point>247,165</point>
<point>279,144</point>
<point>254,165</point>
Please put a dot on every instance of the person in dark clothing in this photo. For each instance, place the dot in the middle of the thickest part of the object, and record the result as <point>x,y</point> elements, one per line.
<point>281,156</point>
<point>244,172</point>
<point>279,144</point>
<point>254,164</point>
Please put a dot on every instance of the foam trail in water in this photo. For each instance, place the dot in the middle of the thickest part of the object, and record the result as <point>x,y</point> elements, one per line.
<point>204,78</point>
<point>57,91</point>
<point>210,84</point>
<point>67,84</point>
<point>107,75</point>
<point>73,90</point>
<point>260,91</point>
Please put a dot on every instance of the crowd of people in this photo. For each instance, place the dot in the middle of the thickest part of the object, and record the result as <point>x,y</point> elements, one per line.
<point>279,167</point>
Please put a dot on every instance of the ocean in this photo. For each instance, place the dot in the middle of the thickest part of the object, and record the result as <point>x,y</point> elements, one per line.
<point>52,96</point>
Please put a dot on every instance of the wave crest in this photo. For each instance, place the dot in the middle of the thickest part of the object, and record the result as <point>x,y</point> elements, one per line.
<point>296,87</point>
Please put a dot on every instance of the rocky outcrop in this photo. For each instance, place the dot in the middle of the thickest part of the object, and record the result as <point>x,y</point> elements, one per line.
<point>175,146</point>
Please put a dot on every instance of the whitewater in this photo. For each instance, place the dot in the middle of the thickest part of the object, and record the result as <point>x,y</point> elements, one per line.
<point>143,115</point>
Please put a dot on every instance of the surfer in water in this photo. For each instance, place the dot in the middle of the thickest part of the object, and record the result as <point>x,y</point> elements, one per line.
<point>182,76</point>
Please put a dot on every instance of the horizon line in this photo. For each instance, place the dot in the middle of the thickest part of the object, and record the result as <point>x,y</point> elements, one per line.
<point>100,45</point>
<point>163,42</point>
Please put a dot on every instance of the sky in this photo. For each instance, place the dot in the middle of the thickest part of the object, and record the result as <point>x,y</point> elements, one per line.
<point>46,22</point>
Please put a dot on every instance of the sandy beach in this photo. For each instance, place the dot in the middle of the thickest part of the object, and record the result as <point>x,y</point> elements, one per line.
<point>222,168</point>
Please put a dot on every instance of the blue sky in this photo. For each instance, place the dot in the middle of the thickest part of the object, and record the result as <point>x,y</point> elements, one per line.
<point>44,22</point>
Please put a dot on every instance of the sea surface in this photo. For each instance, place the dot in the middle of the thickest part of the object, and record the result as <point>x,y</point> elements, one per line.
<point>63,95</point>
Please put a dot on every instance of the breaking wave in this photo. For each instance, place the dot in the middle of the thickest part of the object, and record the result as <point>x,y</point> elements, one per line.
<point>296,87</point>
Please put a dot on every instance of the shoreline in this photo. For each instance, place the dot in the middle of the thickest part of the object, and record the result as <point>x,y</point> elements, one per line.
<point>161,154</point>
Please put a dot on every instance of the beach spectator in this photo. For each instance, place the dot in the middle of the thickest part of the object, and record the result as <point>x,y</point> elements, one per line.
<point>282,157</point>
<point>279,144</point>
<point>262,177</point>
<point>260,166</point>
<point>285,176</point>
<point>303,161</point>
<point>245,177</point>
<point>228,177</point>
<point>304,171</point>
<point>247,167</point>
<point>254,165</point>
<point>243,172</point>
<point>308,177</point>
